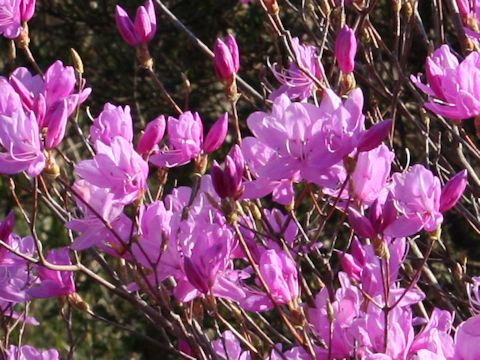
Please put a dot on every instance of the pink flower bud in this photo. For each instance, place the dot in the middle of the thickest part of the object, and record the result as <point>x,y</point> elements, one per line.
<point>153,134</point>
<point>345,49</point>
<point>125,26</point>
<point>216,135</point>
<point>453,190</point>
<point>374,136</point>
<point>57,125</point>
<point>142,30</point>
<point>226,58</point>
<point>27,8</point>
<point>233,47</point>
<point>360,224</point>
<point>228,182</point>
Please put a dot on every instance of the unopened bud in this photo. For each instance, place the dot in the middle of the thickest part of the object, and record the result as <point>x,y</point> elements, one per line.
<point>76,300</point>
<point>77,61</point>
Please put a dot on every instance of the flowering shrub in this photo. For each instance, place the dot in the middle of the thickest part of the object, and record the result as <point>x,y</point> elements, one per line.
<point>310,239</point>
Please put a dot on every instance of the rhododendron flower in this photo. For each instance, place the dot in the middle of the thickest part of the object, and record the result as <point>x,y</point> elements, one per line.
<point>418,197</point>
<point>466,339</point>
<point>229,347</point>
<point>112,121</point>
<point>295,83</point>
<point>52,282</point>
<point>299,141</point>
<point>92,228</point>
<point>142,30</point>
<point>346,308</point>
<point>44,96</point>
<point>117,168</point>
<point>226,58</point>
<point>12,14</point>
<point>371,173</point>
<point>280,273</point>
<point>453,86</point>
<point>19,136</point>
<point>185,137</point>
<point>27,352</point>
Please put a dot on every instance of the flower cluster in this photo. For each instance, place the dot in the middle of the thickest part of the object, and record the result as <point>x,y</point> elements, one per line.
<point>303,231</point>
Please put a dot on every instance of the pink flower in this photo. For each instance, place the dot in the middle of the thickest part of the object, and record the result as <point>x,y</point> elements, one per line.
<point>19,136</point>
<point>229,347</point>
<point>54,283</point>
<point>453,190</point>
<point>371,173</point>
<point>295,83</point>
<point>153,134</point>
<point>27,352</point>
<point>185,138</point>
<point>228,181</point>
<point>226,58</point>
<point>12,14</point>
<point>92,228</point>
<point>112,121</point>
<point>417,194</point>
<point>300,141</point>
<point>345,49</point>
<point>280,273</point>
<point>118,168</point>
<point>466,339</point>
<point>52,99</point>
<point>452,86</point>
<point>142,30</point>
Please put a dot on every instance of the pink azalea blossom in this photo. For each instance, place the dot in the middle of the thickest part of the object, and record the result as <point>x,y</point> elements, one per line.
<point>371,172</point>
<point>118,168</point>
<point>91,226</point>
<point>27,352</point>
<point>229,347</point>
<point>452,86</point>
<point>466,339</point>
<point>12,14</point>
<point>418,196</point>
<point>52,282</point>
<point>185,138</point>
<point>19,136</point>
<point>112,121</point>
<point>295,83</point>
<point>300,141</point>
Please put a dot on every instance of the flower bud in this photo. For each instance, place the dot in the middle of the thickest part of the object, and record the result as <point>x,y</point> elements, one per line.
<point>360,224</point>
<point>153,134</point>
<point>345,49</point>
<point>27,8</point>
<point>226,58</point>
<point>374,136</point>
<point>142,30</point>
<point>228,182</point>
<point>453,190</point>
<point>216,135</point>
<point>57,125</point>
